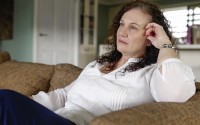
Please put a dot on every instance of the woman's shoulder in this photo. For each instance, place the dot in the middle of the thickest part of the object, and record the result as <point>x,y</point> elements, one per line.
<point>91,67</point>
<point>92,64</point>
<point>148,69</point>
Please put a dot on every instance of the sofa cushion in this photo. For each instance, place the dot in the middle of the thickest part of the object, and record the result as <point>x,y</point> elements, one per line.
<point>162,113</point>
<point>196,97</point>
<point>4,56</point>
<point>64,74</point>
<point>26,78</point>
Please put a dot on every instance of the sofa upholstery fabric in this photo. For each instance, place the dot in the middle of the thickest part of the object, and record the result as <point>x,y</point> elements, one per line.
<point>30,78</point>
<point>4,56</point>
<point>63,75</point>
<point>26,78</point>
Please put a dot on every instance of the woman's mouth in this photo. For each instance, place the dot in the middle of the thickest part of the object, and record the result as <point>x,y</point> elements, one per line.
<point>122,41</point>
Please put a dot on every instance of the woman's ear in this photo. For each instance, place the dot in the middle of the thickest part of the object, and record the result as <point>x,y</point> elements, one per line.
<point>148,43</point>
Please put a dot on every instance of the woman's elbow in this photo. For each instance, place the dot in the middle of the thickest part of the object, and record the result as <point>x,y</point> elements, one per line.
<point>180,94</point>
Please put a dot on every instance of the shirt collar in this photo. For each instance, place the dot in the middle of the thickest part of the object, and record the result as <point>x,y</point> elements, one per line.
<point>134,59</point>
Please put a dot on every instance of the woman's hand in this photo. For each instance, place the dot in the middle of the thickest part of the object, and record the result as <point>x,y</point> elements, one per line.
<point>156,34</point>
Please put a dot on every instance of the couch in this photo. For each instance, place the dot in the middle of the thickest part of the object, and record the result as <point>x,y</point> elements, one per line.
<point>29,78</point>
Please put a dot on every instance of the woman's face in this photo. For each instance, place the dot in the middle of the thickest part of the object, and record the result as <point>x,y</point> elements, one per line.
<point>131,38</point>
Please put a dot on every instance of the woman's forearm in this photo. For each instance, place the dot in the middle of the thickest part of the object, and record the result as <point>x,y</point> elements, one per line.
<point>166,53</point>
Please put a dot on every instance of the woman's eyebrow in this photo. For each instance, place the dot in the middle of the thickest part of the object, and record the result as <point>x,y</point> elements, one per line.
<point>138,25</point>
<point>133,23</point>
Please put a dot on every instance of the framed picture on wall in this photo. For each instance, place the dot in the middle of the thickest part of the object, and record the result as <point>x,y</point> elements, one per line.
<point>6,19</point>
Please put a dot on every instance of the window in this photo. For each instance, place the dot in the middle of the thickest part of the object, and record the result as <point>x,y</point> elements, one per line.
<point>185,23</point>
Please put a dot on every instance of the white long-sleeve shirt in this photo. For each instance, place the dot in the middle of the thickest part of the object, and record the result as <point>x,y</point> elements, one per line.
<point>94,93</point>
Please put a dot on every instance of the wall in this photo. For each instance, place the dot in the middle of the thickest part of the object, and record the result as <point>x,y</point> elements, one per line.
<point>105,17</point>
<point>20,47</point>
<point>191,58</point>
<point>112,12</point>
<point>102,23</point>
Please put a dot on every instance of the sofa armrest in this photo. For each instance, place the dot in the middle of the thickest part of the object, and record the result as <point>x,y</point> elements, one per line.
<point>4,56</point>
<point>154,114</point>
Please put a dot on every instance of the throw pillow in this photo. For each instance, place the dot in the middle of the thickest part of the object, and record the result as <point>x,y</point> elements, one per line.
<point>64,75</point>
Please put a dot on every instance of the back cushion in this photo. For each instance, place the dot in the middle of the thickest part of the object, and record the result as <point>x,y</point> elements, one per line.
<point>4,56</point>
<point>64,75</point>
<point>26,78</point>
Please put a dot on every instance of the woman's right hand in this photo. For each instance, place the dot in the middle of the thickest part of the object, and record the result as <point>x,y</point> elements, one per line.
<point>156,34</point>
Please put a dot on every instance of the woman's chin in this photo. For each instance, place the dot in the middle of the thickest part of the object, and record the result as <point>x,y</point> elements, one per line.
<point>122,46</point>
<point>122,49</point>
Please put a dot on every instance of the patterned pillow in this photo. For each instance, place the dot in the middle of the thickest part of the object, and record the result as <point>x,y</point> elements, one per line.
<point>64,75</point>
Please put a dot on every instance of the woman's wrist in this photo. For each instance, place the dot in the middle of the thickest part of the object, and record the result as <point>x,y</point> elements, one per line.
<point>170,46</point>
<point>164,43</point>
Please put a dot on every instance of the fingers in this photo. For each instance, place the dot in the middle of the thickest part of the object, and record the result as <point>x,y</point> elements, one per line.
<point>151,29</point>
<point>150,32</point>
<point>156,34</point>
<point>154,29</point>
<point>153,25</point>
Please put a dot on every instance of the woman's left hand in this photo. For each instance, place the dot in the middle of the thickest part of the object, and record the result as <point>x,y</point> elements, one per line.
<point>156,34</point>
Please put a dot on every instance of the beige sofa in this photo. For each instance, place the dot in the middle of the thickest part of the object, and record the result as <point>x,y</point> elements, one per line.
<point>30,78</point>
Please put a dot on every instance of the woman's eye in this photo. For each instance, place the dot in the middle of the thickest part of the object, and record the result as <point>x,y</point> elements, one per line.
<point>121,24</point>
<point>133,28</point>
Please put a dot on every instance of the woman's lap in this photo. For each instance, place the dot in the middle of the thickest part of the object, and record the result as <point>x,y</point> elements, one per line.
<point>17,109</point>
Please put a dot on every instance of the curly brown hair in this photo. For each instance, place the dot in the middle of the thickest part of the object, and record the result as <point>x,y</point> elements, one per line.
<point>111,58</point>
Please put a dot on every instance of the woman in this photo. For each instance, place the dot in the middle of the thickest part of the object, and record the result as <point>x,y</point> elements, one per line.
<point>142,67</point>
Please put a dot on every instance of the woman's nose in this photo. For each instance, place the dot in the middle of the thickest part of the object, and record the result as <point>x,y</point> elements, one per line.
<point>123,32</point>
